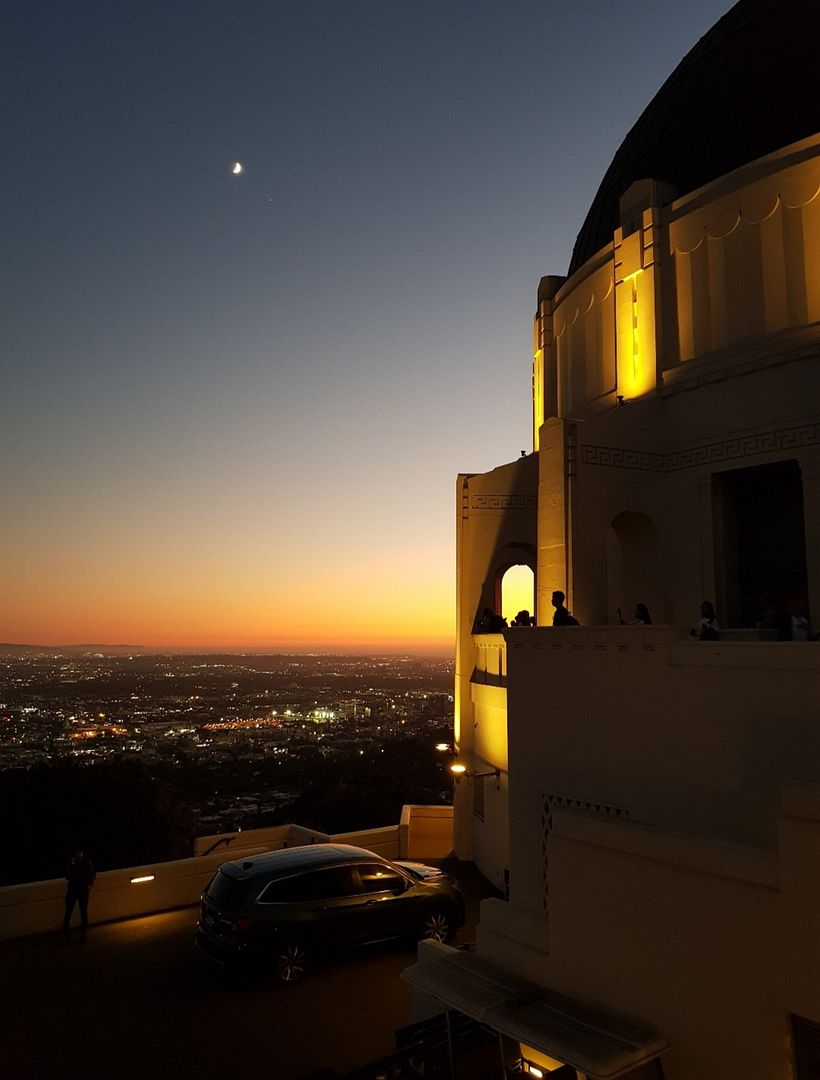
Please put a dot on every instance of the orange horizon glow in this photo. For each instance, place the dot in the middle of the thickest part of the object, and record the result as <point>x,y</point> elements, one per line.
<point>188,606</point>
<point>379,647</point>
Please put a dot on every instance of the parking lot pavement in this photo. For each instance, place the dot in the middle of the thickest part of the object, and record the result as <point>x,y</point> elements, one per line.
<point>138,1000</point>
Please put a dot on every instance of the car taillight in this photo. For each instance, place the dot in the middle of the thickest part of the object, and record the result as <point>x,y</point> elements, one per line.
<point>241,925</point>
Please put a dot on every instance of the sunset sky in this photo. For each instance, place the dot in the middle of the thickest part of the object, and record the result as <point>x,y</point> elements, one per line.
<point>235,406</point>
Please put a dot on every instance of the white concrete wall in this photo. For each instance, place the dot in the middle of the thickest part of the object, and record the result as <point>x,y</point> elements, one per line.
<point>426,832</point>
<point>700,912</point>
<point>681,933</point>
<point>692,736</point>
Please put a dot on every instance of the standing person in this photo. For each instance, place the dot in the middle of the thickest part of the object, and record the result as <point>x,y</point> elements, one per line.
<point>561,617</point>
<point>708,628</point>
<point>80,875</point>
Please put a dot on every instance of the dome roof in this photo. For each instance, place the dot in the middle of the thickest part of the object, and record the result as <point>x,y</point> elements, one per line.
<point>749,87</point>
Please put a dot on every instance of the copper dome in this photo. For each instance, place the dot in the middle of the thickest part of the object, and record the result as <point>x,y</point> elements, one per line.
<point>750,86</point>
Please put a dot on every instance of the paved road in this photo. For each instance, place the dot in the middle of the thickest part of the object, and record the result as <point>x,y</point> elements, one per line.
<point>137,1001</point>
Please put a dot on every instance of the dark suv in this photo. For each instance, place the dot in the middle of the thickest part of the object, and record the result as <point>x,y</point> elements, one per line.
<point>282,907</point>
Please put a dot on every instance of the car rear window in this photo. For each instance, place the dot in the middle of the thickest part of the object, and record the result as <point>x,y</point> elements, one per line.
<point>227,892</point>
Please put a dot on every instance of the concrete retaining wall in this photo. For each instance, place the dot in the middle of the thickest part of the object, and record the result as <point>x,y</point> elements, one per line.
<point>37,907</point>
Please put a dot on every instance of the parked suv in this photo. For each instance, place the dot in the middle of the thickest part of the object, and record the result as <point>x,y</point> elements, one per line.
<point>283,907</point>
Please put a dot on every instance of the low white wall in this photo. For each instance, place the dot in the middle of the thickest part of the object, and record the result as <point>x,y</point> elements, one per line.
<point>428,832</point>
<point>37,907</point>
<point>273,838</point>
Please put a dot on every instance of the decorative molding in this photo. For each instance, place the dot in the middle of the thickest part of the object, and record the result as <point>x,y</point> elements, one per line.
<point>617,458</point>
<point>552,802</point>
<point>735,448</point>
<point>503,502</point>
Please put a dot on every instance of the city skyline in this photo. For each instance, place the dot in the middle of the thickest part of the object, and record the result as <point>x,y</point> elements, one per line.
<point>238,402</point>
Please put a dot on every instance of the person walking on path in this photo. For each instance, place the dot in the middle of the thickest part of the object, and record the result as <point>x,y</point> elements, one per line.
<point>80,875</point>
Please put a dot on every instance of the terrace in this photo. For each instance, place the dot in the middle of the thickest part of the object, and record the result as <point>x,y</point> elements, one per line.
<point>138,998</point>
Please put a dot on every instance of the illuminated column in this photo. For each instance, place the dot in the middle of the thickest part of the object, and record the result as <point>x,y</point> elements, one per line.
<point>637,287</point>
<point>553,571</point>
<point>544,367</point>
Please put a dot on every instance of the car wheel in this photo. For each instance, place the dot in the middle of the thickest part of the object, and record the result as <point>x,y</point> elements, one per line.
<point>291,962</point>
<point>437,926</point>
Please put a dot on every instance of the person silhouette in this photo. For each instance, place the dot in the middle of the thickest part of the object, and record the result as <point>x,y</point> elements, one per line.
<point>642,617</point>
<point>80,875</point>
<point>561,617</point>
<point>707,628</point>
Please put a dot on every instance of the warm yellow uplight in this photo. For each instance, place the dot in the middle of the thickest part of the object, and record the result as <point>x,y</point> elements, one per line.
<point>140,880</point>
<point>536,1063</point>
<point>442,746</point>
<point>635,321</point>
<point>457,769</point>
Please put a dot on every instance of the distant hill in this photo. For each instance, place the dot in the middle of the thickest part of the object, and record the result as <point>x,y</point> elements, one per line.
<point>21,651</point>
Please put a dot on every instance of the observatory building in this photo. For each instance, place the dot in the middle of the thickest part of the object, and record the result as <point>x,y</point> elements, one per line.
<point>649,800</point>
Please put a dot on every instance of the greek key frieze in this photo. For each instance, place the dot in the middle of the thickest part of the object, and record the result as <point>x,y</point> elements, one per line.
<point>503,502</point>
<point>617,458</point>
<point>734,448</point>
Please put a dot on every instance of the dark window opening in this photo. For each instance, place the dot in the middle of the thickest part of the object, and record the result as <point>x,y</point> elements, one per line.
<point>760,541</point>
<point>806,1048</point>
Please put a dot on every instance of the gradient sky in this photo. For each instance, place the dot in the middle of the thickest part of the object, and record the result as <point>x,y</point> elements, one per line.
<point>234,407</point>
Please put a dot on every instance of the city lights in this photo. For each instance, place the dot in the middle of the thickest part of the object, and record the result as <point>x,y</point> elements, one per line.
<point>267,720</point>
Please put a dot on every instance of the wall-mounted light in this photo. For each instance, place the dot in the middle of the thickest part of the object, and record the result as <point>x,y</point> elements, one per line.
<point>142,880</point>
<point>443,747</point>
<point>458,769</point>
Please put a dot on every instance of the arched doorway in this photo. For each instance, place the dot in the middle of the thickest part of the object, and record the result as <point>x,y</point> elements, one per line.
<point>517,591</point>
<point>633,574</point>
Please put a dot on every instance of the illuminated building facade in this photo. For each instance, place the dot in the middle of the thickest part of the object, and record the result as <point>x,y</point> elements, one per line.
<point>650,802</point>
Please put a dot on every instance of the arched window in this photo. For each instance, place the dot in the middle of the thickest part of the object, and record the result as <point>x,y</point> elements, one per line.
<point>517,592</point>
<point>632,566</point>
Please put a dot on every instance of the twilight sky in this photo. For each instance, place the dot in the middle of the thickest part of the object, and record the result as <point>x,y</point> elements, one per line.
<point>234,407</point>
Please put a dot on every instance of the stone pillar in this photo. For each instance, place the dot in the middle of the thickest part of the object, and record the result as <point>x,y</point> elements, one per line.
<point>553,570</point>
<point>544,364</point>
